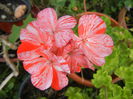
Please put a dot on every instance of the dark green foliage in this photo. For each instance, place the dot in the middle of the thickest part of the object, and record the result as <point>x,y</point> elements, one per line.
<point>78,93</point>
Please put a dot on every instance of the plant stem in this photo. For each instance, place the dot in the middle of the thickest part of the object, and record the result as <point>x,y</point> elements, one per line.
<point>8,61</point>
<point>15,72</point>
<point>115,80</point>
<point>106,93</point>
<point>85,9</point>
<point>6,80</point>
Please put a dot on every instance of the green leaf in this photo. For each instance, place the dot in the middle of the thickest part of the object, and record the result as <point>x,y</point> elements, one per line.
<point>127,93</point>
<point>74,93</point>
<point>42,98</point>
<point>3,94</point>
<point>112,61</point>
<point>131,54</point>
<point>113,91</point>
<point>101,78</point>
<point>106,20</point>
<point>126,73</point>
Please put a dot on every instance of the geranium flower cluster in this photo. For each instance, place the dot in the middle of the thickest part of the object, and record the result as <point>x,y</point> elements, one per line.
<point>50,50</point>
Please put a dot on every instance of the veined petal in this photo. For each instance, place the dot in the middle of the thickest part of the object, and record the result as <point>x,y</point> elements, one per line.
<point>90,25</point>
<point>66,22</point>
<point>59,80</point>
<point>62,37</point>
<point>62,66</point>
<point>25,36</point>
<point>100,45</point>
<point>48,18</point>
<point>99,61</point>
<point>27,51</point>
<point>43,79</point>
<point>34,34</point>
<point>35,65</point>
<point>74,57</point>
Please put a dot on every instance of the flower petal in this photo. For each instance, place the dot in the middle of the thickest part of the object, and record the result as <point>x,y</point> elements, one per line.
<point>35,65</point>
<point>48,18</point>
<point>90,25</point>
<point>59,80</point>
<point>66,22</point>
<point>42,79</point>
<point>34,34</point>
<point>62,66</point>
<point>99,61</point>
<point>25,36</point>
<point>100,45</point>
<point>63,37</point>
<point>92,58</point>
<point>74,57</point>
<point>25,51</point>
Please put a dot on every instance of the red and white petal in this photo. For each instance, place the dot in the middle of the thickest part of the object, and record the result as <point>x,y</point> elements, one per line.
<point>73,65</point>
<point>63,37</point>
<point>48,18</point>
<point>62,66</point>
<point>90,25</point>
<point>27,51</point>
<point>26,36</point>
<point>35,65</point>
<point>66,22</point>
<point>100,45</point>
<point>43,79</point>
<point>99,61</point>
<point>89,64</point>
<point>103,39</point>
<point>59,80</point>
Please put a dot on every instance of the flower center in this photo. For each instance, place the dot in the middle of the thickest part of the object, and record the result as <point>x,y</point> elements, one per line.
<point>83,40</point>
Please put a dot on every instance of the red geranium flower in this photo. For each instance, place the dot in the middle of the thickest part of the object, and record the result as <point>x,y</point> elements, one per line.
<point>75,57</point>
<point>47,70</point>
<point>60,29</point>
<point>39,39</point>
<point>50,49</point>
<point>93,40</point>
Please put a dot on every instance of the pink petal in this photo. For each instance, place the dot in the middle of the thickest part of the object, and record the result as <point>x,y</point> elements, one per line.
<point>35,65</point>
<point>62,66</point>
<point>66,22</point>
<point>25,51</point>
<point>90,25</point>
<point>74,57</point>
<point>25,36</point>
<point>92,58</point>
<point>42,79</point>
<point>48,18</point>
<point>34,35</point>
<point>63,37</point>
<point>59,80</point>
<point>99,61</point>
<point>100,45</point>
<point>89,64</point>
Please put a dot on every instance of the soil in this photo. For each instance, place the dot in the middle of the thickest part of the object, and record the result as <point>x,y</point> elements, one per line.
<point>7,9</point>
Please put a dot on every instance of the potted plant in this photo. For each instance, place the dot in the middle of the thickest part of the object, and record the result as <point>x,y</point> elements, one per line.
<point>104,76</point>
<point>13,12</point>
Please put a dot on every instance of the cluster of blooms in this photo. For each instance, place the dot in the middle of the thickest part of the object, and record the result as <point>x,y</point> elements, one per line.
<point>50,50</point>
